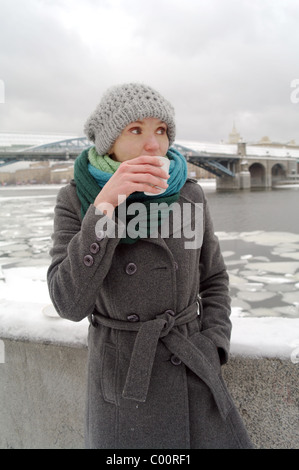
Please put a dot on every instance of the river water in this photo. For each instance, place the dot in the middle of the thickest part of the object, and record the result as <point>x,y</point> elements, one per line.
<point>258,233</point>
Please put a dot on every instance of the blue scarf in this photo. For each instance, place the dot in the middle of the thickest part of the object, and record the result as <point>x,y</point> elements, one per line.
<point>177,171</point>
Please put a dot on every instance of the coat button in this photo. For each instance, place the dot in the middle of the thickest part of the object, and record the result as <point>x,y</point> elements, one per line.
<point>133,317</point>
<point>100,235</point>
<point>131,268</point>
<point>88,260</point>
<point>94,248</point>
<point>175,360</point>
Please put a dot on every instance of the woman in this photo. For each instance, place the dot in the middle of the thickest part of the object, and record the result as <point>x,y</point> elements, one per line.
<point>158,307</point>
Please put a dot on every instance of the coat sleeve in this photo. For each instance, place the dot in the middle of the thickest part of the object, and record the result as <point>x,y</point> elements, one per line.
<point>214,290</point>
<point>80,258</point>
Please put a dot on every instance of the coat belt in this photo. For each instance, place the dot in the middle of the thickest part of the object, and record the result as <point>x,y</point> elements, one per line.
<point>143,354</point>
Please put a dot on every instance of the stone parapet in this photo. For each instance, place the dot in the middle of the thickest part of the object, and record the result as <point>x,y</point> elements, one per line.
<point>42,394</point>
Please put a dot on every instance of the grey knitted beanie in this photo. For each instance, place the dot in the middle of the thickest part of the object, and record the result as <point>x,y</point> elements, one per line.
<point>121,105</point>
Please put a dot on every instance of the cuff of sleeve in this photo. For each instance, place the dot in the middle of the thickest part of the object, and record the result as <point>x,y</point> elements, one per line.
<point>221,343</point>
<point>104,226</point>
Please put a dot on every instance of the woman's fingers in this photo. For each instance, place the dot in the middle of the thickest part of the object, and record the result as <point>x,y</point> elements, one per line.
<point>147,165</point>
<point>142,174</point>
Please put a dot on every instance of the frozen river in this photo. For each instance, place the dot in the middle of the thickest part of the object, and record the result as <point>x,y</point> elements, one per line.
<point>258,232</point>
<point>259,235</point>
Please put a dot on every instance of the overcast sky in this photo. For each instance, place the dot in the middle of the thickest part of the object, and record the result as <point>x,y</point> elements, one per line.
<point>217,61</point>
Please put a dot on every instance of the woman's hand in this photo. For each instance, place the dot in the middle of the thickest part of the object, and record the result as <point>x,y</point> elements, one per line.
<point>138,174</point>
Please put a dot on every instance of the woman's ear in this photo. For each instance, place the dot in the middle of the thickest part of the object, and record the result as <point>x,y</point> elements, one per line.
<point>110,153</point>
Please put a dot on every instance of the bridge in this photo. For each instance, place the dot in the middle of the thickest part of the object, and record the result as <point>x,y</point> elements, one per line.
<point>242,166</point>
<point>236,166</point>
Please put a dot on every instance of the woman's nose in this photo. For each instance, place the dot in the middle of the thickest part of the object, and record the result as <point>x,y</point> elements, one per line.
<point>151,143</point>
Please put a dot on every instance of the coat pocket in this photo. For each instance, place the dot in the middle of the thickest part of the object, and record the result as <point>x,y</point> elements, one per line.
<point>108,374</point>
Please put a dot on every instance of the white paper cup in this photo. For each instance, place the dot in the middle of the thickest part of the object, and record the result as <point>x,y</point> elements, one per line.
<point>165,167</point>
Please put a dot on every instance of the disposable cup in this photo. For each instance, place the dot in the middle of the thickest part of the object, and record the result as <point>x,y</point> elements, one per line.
<point>165,167</point>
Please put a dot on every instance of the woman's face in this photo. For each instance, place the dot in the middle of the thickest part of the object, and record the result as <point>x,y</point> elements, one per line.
<point>145,137</point>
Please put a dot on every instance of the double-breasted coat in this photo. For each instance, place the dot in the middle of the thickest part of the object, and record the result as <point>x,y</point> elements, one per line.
<point>159,329</point>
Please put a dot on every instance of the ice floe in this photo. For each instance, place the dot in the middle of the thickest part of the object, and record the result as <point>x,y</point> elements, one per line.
<point>254,296</point>
<point>262,237</point>
<point>283,267</point>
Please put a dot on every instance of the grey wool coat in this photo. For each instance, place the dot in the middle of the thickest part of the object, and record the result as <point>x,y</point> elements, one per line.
<point>159,329</point>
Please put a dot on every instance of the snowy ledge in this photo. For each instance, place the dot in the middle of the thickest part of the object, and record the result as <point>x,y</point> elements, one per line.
<point>27,314</point>
<point>37,322</point>
<point>273,337</point>
<point>254,337</point>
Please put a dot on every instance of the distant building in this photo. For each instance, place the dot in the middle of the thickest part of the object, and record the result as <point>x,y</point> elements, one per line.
<point>62,172</point>
<point>45,172</point>
<point>234,137</point>
<point>30,172</point>
<point>265,141</point>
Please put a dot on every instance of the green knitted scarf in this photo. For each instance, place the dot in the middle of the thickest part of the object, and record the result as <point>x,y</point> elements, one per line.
<point>102,162</point>
<point>88,189</point>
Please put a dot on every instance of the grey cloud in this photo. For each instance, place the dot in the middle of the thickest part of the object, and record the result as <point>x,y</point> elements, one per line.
<point>217,61</point>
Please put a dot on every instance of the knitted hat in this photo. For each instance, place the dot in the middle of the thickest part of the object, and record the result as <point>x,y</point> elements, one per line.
<point>124,104</point>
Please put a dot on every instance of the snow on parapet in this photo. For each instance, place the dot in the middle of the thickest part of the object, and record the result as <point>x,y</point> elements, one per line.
<point>32,317</point>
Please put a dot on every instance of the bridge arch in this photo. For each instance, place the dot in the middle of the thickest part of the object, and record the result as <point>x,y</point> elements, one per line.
<point>257,175</point>
<point>278,173</point>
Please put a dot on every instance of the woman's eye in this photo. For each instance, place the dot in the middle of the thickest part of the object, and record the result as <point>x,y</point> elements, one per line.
<point>135,130</point>
<point>161,130</point>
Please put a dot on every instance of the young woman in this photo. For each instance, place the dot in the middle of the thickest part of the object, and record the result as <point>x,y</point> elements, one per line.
<point>158,307</point>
